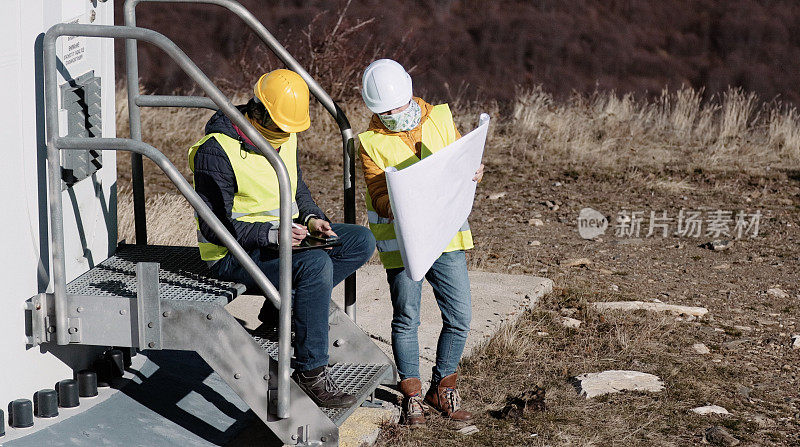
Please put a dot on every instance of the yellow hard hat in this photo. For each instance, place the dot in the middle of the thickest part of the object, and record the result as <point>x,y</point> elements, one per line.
<point>285,95</point>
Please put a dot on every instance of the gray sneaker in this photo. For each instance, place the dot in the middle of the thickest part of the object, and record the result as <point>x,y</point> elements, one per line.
<point>320,387</point>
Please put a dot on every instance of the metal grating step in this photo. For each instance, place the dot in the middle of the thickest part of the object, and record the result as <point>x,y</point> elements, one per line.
<point>267,337</point>
<point>182,275</point>
<point>358,379</point>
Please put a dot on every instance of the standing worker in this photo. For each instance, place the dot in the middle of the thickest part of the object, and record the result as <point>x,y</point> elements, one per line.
<point>403,131</point>
<point>241,188</point>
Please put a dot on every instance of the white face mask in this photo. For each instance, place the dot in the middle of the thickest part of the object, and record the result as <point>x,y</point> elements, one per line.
<point>402,121</point>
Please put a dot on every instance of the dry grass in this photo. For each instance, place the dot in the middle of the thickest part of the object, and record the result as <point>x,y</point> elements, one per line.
<point>602,132</point>
<point>784,134</point>
<point>170,130</point>
<point>617,133</point>
<point>536,351</point>
<point>673,186</point>
<point>170,219</point>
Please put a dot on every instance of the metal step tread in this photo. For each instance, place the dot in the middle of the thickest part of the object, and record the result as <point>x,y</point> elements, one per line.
<point>182,275</point>
<point>358,379</point>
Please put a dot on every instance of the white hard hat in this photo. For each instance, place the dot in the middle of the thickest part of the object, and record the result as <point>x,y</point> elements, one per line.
<point>385,86</point>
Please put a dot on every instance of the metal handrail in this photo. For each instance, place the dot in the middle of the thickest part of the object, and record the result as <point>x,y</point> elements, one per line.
<point>194,199</point>
<point>348,143</point>
<point>280,299</point>
<point>175,101</point>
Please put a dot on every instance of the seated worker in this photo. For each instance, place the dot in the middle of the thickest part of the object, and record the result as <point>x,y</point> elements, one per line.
<point>404,130</point>
<point>241,188</point>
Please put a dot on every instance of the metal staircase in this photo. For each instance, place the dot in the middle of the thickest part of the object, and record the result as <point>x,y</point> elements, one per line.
<point>162,297</point>
<point>191,316</point>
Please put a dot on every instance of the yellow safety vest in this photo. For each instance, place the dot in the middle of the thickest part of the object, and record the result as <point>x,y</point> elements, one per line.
<point>257,198</point>
<point>389,150</point>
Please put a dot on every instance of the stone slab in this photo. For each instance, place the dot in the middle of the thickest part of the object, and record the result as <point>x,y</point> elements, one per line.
<point>613,381</point>
<point>364,425</point>
<point>710,409</point>
<point>655,307</point>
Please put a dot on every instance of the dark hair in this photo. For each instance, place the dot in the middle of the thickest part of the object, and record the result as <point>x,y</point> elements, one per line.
<point>258,112</point>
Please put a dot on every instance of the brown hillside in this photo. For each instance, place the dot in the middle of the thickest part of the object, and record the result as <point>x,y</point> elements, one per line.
<point>484,49</point>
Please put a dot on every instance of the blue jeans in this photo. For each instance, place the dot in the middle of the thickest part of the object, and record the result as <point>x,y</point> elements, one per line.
<point>314,274</point>
<point>450,282</point>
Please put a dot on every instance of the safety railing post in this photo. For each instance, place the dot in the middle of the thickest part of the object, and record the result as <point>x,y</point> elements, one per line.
<point>54,193</point>
<point>348,177</point>
<point>135,124</point>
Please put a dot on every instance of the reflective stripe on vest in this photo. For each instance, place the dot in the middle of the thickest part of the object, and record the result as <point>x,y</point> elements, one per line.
<point>275,213</point>
<point>392,245</point>
<point>257,196</point>
<point>389,150</point>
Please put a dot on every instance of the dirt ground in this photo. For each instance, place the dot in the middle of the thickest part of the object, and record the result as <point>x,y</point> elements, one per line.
<point>751,370</point>
<point>525,221</point>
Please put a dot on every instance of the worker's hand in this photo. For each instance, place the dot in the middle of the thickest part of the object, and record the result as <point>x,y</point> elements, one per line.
<point>478,174</point>
<point>320,226</point>
<point>299,232</point>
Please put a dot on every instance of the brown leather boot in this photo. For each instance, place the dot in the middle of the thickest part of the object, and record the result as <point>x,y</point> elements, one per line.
<point>413,408</point>
<point>445,398</point>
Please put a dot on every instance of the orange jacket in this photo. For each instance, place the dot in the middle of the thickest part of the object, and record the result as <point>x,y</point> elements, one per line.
<point>374,175</point>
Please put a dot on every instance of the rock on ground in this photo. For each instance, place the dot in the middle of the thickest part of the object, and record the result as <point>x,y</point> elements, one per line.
<point>577,262</point>
<point>709,409</point>
<point>553,205</point>
<point>571,323</point>
<point>657,307</point>
<point>613,381</point>
<point>718,244</point>
<point>364,425</point>
<point>719,436</point>
<point>777,293</point>
<point>796,341</point>
<point>469,430</point>
<point>761,420</point>
<point>701,349</point>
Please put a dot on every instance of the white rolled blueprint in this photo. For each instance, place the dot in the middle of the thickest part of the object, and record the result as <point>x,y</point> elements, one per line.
<point>432,199</point>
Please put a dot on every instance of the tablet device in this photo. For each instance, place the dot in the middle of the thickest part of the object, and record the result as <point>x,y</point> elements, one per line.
<point>314,242</point>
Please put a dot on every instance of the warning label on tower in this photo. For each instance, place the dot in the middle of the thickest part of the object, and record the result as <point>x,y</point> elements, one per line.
<point>73,49</point>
